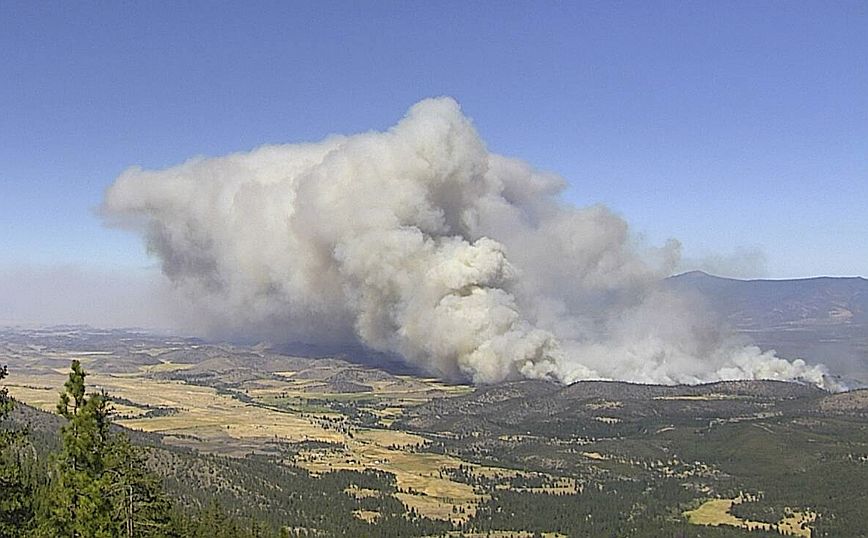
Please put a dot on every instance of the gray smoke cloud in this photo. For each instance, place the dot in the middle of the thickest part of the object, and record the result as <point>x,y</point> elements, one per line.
<point>418,241</point>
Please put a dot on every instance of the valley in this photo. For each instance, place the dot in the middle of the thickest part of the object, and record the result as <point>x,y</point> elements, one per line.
<point>525,456</point>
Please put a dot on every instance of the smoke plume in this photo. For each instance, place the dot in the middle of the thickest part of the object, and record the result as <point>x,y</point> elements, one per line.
<point>419,242</point>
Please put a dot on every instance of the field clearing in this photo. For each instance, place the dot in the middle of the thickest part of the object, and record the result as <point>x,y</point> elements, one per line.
<point>435,508</point>
<point>796,524</point>
<point>119,409</point>
<point>361,493</point>
<point>387,415</point>
<point>41,397</point>
<point>367,515</point>
<point>201,410</point>
<point>715,512</point>
<point>417,473</point>
<point>558,486</point>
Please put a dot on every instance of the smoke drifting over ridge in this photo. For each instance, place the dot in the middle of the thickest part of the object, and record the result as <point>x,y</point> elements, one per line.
<point>419,242</point>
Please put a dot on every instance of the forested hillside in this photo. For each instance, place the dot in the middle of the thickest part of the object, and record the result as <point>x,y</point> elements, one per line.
<point>174,437</point>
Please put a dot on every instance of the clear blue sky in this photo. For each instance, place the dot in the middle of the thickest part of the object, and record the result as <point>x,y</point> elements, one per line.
<point>728,125</point>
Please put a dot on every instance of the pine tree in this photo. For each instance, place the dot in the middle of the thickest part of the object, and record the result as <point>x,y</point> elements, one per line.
<point>100,486</point>
<point>139,505</point>
<point>213,522</point>
<point>78,504</point>
<point>16,495</point>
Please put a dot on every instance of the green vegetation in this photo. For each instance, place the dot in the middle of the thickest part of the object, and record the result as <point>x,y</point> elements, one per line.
<point>231,448</point>
<point>16,493</point>
<point>97,485</point>
<point>665,454</point>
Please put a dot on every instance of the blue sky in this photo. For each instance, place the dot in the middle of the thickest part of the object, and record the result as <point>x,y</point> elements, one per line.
<point>736,127</point>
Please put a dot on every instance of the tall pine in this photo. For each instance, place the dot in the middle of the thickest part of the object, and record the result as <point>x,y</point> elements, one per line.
<point>77,503</point>
<point>100,486</point>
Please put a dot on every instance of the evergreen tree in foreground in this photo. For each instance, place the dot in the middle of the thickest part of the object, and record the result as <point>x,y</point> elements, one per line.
<point>77,504</point>
<point>99,486</point>
<point>138,503</point>
<point>16,499</point>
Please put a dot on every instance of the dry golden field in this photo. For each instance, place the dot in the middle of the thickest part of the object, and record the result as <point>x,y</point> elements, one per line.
<point>714,512</point>
<point>210,421</point>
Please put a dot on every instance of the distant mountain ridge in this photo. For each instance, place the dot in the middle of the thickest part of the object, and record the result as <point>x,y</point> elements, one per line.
<point>821,319</point>
<point>764,303</point>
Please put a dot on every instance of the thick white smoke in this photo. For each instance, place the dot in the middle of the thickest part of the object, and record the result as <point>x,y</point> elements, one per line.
<point>418,241</point>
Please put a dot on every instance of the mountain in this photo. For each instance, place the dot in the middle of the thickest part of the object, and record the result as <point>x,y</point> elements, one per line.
<point>822,319</point>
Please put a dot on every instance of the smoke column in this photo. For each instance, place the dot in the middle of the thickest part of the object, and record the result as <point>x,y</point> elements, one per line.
<point>417,241</point>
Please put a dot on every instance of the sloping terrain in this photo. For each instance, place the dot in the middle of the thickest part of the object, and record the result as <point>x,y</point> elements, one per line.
<point>807,302</point>
<point>821,319</point>
<point>754,445</point>
<point>329,447</point>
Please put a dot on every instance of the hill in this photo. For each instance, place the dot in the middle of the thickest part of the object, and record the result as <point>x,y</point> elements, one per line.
<point>329,447</point>
<point>822,319</point>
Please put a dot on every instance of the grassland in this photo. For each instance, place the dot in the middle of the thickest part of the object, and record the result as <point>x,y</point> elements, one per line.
<point>280,410</point>
<point>508,460</point>
<point>715,512</point>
